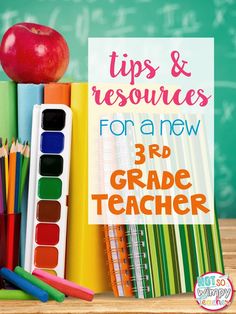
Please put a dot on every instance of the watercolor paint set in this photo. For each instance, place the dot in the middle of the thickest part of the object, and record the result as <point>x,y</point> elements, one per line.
<point>48,188</point>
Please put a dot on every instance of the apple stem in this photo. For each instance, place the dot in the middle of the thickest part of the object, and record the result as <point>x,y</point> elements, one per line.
<point>34,30</point>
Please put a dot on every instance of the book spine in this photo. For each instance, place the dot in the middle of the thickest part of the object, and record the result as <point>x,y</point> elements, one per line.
<point>28,95</point>
<point>8,110</point>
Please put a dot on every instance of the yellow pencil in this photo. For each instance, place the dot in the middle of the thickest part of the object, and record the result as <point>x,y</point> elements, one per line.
<point>12,178</point>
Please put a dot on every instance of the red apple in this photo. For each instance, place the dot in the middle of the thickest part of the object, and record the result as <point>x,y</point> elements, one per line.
<point>33,53</point>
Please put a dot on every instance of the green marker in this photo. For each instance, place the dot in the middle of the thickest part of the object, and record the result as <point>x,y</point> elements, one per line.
<point>15,295</point>
<point>52,292</point>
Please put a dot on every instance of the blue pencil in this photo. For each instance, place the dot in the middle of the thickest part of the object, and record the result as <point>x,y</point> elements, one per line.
<point>23,284</point>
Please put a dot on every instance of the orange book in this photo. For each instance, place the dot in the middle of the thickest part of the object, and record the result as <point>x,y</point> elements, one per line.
<point>110,261</point>
<point>57,93</point>
<point>118,260</point>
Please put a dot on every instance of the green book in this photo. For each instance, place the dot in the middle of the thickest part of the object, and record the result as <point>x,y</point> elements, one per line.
<point>8,110</point>
<point>174,255</point>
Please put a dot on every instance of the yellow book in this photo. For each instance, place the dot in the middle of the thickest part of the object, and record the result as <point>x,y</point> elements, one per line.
<point>86,261</point>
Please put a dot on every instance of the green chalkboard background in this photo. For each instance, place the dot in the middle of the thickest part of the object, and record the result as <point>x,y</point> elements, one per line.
<point>79,19</point>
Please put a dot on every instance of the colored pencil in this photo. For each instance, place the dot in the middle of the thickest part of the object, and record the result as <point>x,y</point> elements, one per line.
<point>24,170</point>
<point>14,173</point>
<point>6,167</point>
<point>19,148</point>
<point>2,165</point>
<point>1,191</point>
<point>12,178</point>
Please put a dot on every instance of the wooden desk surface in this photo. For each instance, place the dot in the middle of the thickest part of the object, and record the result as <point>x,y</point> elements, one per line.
<point>106,303</point>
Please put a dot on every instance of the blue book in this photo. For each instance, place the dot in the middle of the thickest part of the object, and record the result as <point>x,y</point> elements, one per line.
<point>28,95</point>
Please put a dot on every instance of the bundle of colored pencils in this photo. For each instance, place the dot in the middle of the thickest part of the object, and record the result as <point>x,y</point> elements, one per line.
<point>14,166</point>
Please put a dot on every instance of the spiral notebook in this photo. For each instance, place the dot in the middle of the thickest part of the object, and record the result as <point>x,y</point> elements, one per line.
<point>164,259</point>
<point>137,236</point>
<point>115,235</point>
<point>118,261</point>
<point>167,259</point>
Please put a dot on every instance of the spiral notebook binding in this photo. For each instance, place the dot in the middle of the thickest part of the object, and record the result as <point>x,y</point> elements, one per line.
<point>129,283</point>
<point>138,254</point>
<point>114,238</point>
<point>144,289</point>
<point>118,249</point>
<point>122,271</point>
<point>117,256</point>
<point>137,244</point>
<point>142,278</point>
<point>129,232</point>
<point>143,255</point>
<point>141,266</point>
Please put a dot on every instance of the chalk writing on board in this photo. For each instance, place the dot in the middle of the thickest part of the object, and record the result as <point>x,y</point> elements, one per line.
<point>225,84</point>
<point>223,2</point>
<point>82,25</point>
<point>150,29</point>
<point>232,32</point>
<point>176,22</point>
<point>225,112</point>
<point>224,184</point>
<point>98,16</point>
<point>7,19</point>
<point>80,19</point>
<point>53,17</point>
<point>219,17</point>
<point>121,25</point>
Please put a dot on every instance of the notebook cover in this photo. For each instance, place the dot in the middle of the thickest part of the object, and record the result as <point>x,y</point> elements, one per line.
<point>183,252</point>
<point>136,237</point>
<point>28,95</point>
<point>136,262</point>
<point>86,260</point>
<point>110,261</point>
<point>177,254</point>
<point>118,260</point>
<point>57,93</point>
<point>8,110</point>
